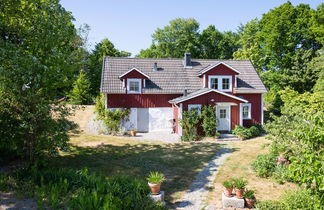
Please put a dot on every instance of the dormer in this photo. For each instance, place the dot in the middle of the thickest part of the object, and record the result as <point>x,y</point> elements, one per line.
<point>219,76</point>
<point>134,81</point>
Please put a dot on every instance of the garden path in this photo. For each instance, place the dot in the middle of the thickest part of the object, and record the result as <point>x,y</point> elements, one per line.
<point>194,198</point>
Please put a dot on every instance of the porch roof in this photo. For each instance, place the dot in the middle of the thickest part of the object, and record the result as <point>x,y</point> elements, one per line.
<point>202,92</point>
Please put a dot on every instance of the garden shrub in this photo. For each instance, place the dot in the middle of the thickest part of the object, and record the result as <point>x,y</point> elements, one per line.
<point>189,122</point>
<point>209,121</point>
<point>112,119</point>
<point>293,200</point>
<point>70,189</point>
<point>264,165</point>
<point>298,133</point>
<point>270,205</point>
<point>247,133</point>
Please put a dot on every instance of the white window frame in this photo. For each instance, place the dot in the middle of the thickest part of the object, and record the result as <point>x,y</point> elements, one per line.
<point>195,106</point>
<point>220,82</point>
<point>134,80</point>
<point>249,110</point>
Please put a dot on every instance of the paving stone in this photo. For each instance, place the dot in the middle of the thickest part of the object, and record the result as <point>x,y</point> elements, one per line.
<point>232,202</point>
<point>195,197</point>
<point>158,197</point>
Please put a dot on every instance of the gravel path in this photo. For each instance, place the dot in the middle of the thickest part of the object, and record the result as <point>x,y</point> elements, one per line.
<point>194,199</point>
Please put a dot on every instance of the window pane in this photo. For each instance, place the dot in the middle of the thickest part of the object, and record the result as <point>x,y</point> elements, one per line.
<point>245,111</point>
<point>214,83</point>
<point>222,113</point>
<point>134,86</point>
<point>225,83</point>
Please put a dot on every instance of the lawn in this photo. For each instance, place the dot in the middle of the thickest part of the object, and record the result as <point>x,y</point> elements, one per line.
<point>121,156</point>
<point>239,165</point>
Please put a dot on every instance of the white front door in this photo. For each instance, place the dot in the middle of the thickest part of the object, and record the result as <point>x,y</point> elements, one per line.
<point>223,118</point>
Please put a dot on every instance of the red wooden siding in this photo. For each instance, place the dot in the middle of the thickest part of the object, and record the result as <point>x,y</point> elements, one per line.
<point>235,116</point>
<point>134,74</point>
<point>221,70</point>
<point>255,100</point>
<point>139,100</point>
<point>176,117</point>
<point>206,99</point>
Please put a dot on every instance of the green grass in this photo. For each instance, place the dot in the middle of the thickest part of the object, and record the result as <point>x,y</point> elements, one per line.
<point>120,156</point>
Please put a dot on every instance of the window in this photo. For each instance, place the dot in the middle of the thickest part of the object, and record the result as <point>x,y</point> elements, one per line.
<point>194,106</point>
<point>246,111</point>
<point>222,113</point>
<point>134,85</point>
<point>214,83</point>
<point>222,83</point>
<point>225,83</point>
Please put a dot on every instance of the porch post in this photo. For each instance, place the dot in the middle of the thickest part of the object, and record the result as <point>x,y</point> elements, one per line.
<point>262,114</point>
<point>180,118</point>
<point>241,114</point>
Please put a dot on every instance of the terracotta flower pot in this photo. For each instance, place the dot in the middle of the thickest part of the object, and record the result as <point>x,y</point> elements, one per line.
<point>228,191</point>
<point>133,133</point>
<point>249,202</point>
<point>155,188</point>
<point>239,193</point>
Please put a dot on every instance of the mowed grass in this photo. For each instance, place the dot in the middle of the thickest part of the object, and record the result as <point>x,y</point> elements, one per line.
<point>239,165</point>
<point>121,156</point>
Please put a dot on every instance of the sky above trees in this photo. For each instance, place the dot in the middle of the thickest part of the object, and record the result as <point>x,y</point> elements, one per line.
<point>130,24</point>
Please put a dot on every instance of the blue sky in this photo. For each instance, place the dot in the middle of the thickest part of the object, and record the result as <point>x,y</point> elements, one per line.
<point>130,24</point>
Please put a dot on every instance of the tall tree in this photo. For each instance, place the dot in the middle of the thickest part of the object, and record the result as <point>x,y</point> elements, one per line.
<point>282,42</point>
<point>214,44</point>
<point>104,48</point>
<point>180,36</point>
<point>37,40</point>
<point>80,93</point>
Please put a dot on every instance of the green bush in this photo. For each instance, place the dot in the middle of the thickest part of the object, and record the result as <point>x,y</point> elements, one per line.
<point>70,189</point>
<point>247,133</point>
<point>264,165</point>
<point>281,174</point>
<point>112,119</point>
<point>209,121</point>
<point>270,205</point>
<point>294,200</point>
<point>189,122</point>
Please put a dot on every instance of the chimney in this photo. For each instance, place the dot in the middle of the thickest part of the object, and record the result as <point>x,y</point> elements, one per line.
<point>155,67</point>
<point>187,60</point>
<point>185,92</point>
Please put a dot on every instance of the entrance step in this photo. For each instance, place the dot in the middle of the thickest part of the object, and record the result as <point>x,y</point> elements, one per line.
<point>228,137</point>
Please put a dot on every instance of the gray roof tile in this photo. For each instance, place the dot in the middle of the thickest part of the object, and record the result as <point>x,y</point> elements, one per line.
<point>172,77</point>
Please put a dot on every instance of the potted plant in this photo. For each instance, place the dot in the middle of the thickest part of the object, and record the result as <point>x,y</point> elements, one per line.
<point>249,198</point>
<point>133,132</point>
<point>228,185</point>
<point>239,185</point>
<point>154,181</point>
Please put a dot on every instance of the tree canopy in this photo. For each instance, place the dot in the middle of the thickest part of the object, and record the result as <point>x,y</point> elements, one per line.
<point>38,41</point>
<point>182,35</point>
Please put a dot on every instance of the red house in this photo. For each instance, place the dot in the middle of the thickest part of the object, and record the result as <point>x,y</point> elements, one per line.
<point>158,90</point>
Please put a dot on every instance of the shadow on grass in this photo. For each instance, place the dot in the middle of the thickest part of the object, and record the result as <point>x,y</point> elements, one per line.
<point>179,162</point>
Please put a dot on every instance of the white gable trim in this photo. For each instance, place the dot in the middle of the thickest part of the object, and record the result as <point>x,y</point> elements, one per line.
<point>135,69</point>
<point>216,91</point>
<point>217,64</point>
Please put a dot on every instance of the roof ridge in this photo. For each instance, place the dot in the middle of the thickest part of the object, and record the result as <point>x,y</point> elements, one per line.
<point>193,59</point>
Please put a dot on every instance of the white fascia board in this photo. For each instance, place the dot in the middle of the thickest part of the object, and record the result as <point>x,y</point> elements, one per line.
<point>135,69</point>
<point>212,90</point>
<point>217,64</point>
